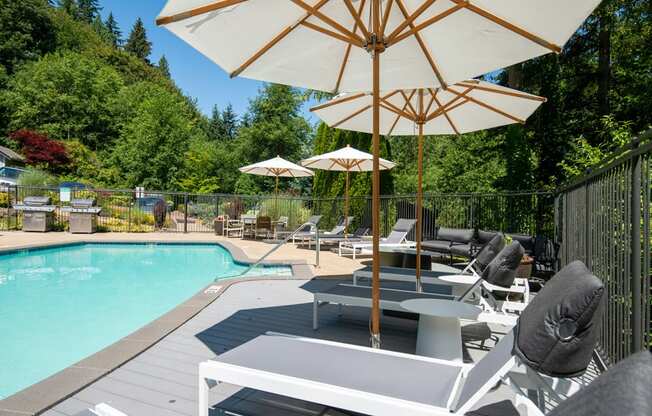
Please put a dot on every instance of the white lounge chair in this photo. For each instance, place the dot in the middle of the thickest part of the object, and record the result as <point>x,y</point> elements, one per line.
<point>397,238</point>
<point>104,409</point>
<point>309,228</point>
<point>379,382</point>
<point>311,237</point>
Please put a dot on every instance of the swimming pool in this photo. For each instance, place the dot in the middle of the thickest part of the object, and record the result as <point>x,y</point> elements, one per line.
<point>61,304</point>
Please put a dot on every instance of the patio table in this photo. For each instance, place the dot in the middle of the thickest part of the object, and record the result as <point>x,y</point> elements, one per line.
<point>440,332</point>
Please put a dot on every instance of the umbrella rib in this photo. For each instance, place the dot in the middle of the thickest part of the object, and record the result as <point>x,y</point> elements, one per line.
<point>410,18</point>
<point>338,101</point>
<point>422,45</point>
<point>347,53</point>
<point>344,120</point>
<point>446,106</point>
<point>407,100</point>
<point>491,108</point>
<point>338,36</point>
<point>396,121</point>
<point>447,116</point>
<point>390,107</point>
<point>273,42</point>
<point>197,11</point>
<point>332,23</point>
<point>356,16</point>
<point>506,92</point>
<point>509,26</point>
<point>428,22</point>
<point>432,100</point>
<point>388,9</point>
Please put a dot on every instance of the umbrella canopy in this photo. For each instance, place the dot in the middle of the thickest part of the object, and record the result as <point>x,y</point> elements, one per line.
<point>336,45</point>
<point>277,167</point>
<point>461,108</point>
<point>322,44</point>
<point>346,159</point>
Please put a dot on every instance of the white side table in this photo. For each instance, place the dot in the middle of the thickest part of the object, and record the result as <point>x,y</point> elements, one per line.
<point>440,332</point>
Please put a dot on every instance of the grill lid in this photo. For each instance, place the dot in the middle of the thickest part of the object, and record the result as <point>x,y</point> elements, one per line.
<point>82,203</point>
<point>37,201</point>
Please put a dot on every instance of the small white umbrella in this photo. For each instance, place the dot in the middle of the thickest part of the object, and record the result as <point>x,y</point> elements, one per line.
<point>346,159</point>
<point>277,167</point>
<point>461,108</point>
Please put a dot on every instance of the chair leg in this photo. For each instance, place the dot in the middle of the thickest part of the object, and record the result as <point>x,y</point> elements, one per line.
<point>203,396</point>
<point>315,314</point>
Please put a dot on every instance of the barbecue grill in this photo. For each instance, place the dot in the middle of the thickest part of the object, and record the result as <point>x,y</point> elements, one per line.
<point>38,213</point>
<point>83,216</point>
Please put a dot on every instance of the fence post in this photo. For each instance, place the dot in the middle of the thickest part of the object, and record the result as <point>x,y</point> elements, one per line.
<point>185,213</point>
<point>635,261</point>
<point>16,211</point>
<point>587,226</point>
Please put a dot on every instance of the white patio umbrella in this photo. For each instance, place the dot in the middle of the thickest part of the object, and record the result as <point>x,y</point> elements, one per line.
<point>277,167</point>
<point>346,159</point>
<point>336,45</point>
<point>461,108</point>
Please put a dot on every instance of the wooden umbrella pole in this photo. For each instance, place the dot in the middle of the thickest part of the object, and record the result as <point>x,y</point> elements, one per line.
<point>419,224</point>
<point>375,221</point>
<point>276,197</point>
<point>346,205</point>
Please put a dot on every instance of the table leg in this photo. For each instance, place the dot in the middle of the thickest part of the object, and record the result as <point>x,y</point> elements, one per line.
<point>440,337</point>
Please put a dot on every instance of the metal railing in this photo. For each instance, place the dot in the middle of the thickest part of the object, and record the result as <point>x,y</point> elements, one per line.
<point>131,211</point>
<point>603,219</point>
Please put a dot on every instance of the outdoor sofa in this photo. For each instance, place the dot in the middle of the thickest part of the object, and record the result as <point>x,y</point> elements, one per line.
<point>380,382</point>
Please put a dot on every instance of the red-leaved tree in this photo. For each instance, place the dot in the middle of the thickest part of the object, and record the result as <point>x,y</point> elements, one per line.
<point>39,149</point>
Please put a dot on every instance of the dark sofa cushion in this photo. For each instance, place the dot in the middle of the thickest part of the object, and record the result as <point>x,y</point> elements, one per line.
<point>437,245</point>
<point>485,236</point>
<point>461,250</point>
<point>622,390</point>
<point>457,235</point>
<point>489,251</point>
<point>527,241</point>
<point>558,331</point>
<point>502,269</point>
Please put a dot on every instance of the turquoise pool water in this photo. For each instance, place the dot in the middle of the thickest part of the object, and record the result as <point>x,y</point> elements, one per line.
<point>59,305</point>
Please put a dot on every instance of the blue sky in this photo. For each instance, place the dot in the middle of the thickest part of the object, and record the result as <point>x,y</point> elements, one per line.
<point>197,76</point>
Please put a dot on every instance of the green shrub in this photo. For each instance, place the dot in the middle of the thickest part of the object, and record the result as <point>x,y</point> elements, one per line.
<point>36,178</point>
<point>5,201</point>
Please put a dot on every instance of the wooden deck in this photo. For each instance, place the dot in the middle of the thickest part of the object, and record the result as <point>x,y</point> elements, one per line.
<point>162,381</point>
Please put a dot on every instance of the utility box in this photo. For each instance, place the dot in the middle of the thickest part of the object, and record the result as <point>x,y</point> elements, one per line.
<point>38,213</point>
<point>83,216</point>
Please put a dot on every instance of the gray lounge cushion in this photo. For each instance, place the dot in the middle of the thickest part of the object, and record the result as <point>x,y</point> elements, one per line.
<point>404,225</point>
<point>437,245</point>
<point>622,390</point>
<point>461,250</point>
<point>490,251</point>
<point>458,235</point>
<point>485,236</point>
<point>527,241</point>
<point>570,307</point>
<point>502,269</point>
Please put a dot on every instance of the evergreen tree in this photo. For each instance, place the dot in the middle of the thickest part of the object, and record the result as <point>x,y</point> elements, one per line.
<point>113,28</point>
<point>163,66</point>
<point>101,29</point>
<point>69,6</point>
<point>229,123</point>
<point>137,43</point>
<point>215,127</point>
<point>87,10</point>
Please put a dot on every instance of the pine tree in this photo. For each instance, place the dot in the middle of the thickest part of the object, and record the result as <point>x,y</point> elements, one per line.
<point>87,10</point>
<point>229,123</point>
<point>137,43</point>
<point>101,29</point>
<point>215,125</point>
<point>68,6</point>
<point>113,28</point>
<point>164,67</point>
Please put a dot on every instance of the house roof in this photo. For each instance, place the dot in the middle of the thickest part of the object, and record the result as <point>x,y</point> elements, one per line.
<point>10,154</point>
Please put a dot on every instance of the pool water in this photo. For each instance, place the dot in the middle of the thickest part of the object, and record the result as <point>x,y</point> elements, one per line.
<point>59,305</point>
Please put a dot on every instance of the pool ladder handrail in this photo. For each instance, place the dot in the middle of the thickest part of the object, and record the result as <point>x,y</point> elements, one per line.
<point>302,227</point>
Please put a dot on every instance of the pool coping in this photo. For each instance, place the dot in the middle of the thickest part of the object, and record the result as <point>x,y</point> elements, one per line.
<point>62,385</point>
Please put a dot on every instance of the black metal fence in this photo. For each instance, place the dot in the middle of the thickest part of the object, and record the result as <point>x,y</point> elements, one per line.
<point>133,211</point>
<point>603,219</point>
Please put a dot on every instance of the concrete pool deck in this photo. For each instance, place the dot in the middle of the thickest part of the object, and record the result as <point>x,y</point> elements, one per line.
<point>43,395</point>
<point>153,371</point>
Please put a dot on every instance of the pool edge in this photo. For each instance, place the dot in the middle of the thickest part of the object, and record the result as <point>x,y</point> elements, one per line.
<point>62,385</point>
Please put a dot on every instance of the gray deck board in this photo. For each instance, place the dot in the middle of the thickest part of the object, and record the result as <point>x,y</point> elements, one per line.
<point>163,380</point>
